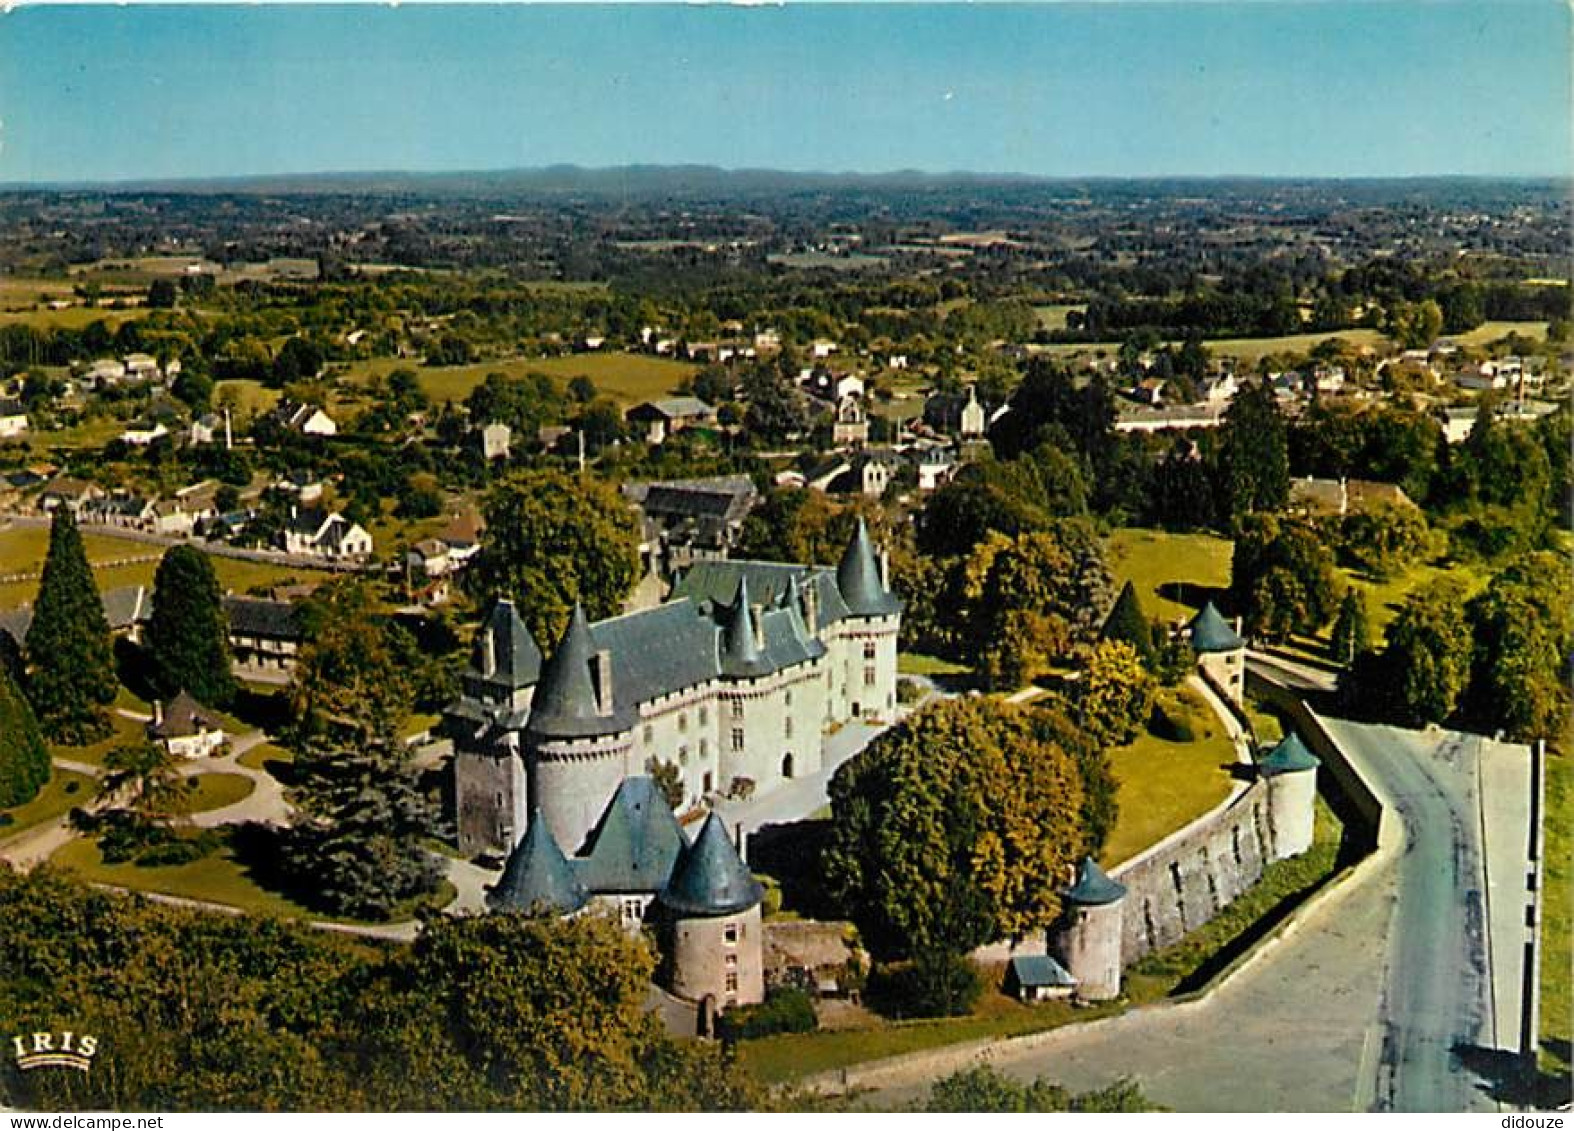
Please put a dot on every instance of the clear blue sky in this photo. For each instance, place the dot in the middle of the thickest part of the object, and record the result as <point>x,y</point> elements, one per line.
<point>1105,89</point>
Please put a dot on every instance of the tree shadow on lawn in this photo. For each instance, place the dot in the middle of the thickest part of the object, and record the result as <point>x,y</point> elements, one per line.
<point>258,850</point>
<point>1195,595</point>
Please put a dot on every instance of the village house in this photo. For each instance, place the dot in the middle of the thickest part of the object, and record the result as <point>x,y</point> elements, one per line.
<point>1340,497</point>
<point>312,532</point>
<point>186,728</point>
<point>663,418</point>
<point>69,492</point>
<point>264,635</point>
<point>208,428</point>
<point>141,435</point>
<point>304,419</point>
<point>852,425</point>
<point>683,521</point>
<point>495,441</point>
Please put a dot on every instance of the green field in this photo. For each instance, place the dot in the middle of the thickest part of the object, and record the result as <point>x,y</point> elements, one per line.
<point>1557,940</point>
<point>1053,316</point>
<point>22,551</point>
<point>1384,598</point>
<point>627,378</point>
<point>1152,558</point>
<point>916,663</point>
<point>218,877</point>
<point>1166,785</point>
<point>251,398</point>
<point>1489,332</point>
<point>72,317</point>
<point>65,790</point>
<point>215,791</point>
<point>124,731</point>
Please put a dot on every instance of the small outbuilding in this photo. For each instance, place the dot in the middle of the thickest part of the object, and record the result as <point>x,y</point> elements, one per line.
<point>1038,977</point>
<point>186,728</point>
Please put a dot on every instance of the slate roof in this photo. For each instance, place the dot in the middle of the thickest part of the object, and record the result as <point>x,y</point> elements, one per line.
<point>538,879</point>
<point>1210,632</point>
<point>127,606</point>
<point>726,498</point>
<point>1093,888</point>
<point>858,578</point>
<point>183,717</point>
<point>565,703</point>
<point>636,845</point>
<point>1034,970</point>
<point>711,878</point>
<point>1290,756</point>
<point>741,651</point>
<point>672,408</point>
<point>515,661</point>
<point>716,583</point>
<point>255,616</point>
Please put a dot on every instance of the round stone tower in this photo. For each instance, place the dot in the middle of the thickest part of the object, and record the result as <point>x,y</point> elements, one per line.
<point>1221,653</point>
<point>578,738</point>
<point>714,938</point>
<point>1086,939</point>
<point>1290,770</point>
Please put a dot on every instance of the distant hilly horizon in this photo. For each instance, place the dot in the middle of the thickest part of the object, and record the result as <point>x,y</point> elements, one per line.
<point>647,179</point>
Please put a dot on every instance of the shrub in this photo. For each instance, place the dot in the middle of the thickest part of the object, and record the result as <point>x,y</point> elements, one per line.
<point>908,691</point>
<point>933,985</point>
<point>1170,724</point>
<point>784,1011</point>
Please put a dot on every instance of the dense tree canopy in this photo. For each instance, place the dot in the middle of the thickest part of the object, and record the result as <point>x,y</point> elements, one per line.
<point>24,759</point>
<point>1282,577</point>
<point>188,635</point>
<point>953,828</point>
<point>553,539</point>
<point>1254,453</point>
<point>1523,626</point>
<point>71,663</point>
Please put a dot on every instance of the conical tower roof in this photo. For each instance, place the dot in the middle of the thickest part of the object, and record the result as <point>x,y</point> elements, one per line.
<point>711,878</point>
<point>858,578</point>
<point>740,646</point>
<point>637,845</point>
<point>1093,888</point>
<point>1290,756</point>
<point>538,879</point>
<point>564,705</point>
<point>504,652</point>
<point>1210,632</point>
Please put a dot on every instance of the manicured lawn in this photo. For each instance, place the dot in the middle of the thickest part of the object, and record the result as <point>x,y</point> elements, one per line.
<point>65,790</point>
<point>627,378</point>
<point>252,398</point>
<point>215,878</point>
<point>258,757</point>
<point>1166,785</point>
<point>1150,559</point>
<point>916,663</point>
<point>1383,598</point>
<point>1557,941</point>
<point>125,731</point>
<point>215,791</point>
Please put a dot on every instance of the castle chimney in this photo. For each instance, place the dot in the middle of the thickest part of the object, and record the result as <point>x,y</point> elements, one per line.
<point>229,434</point>
<point>811,608</point>
<point>158,713</point>
<point>759,625</point>
<point>603,673</point>
<point>488,653</point>
<point>885,570</point>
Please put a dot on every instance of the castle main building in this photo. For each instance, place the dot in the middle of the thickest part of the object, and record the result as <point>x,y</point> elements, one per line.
<point>735,679</point>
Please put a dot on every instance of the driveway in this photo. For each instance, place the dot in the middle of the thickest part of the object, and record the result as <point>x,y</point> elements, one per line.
<point>796,799</point>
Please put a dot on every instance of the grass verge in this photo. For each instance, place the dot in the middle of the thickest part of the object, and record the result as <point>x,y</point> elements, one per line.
<point>215,791</point>
<point>65,790</point>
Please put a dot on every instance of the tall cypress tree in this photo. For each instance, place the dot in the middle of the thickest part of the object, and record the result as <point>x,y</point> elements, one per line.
<point>24,759</point>
<point>1254,453</point>
<point>71,659</point>
<point>1126,622</point>
<point>187,635</point>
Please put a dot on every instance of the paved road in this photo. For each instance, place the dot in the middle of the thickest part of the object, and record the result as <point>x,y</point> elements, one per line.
<point>796,799</point>
<point>1367,1006</point>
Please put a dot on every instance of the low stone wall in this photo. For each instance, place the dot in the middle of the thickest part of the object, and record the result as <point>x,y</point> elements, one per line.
<point>1184,881</point>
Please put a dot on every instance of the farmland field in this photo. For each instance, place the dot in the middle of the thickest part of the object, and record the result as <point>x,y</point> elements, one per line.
<point>72,317</point>
<point>22,551</point>
<point>627,378</point>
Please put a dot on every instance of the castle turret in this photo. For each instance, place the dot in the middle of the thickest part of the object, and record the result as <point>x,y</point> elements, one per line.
<point>742,653</point>
<point>712,908</point>
<point>1221,653</point>
<point>538,879</point>
<point>858,577</point>
<point>1291,772</point>
<point>1087,937</point>
<point>578,736</point>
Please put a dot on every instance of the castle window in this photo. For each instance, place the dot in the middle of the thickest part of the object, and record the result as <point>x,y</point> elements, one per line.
<point>868,677</point>
<point>731,961</point>
<point>632,911</point>
<point>704,715</point>
<point>707,786</point>
<point>650,734</point>
<point>683,722</point>
<point>737,708</point>
<point>787,726</point>
<point>787,700</point>
<point>732,981</point>
<point>729,933</point>
<point>869,651</point>
<point>683,755</point>
<point>704,749</point>
<point>737,738</point>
